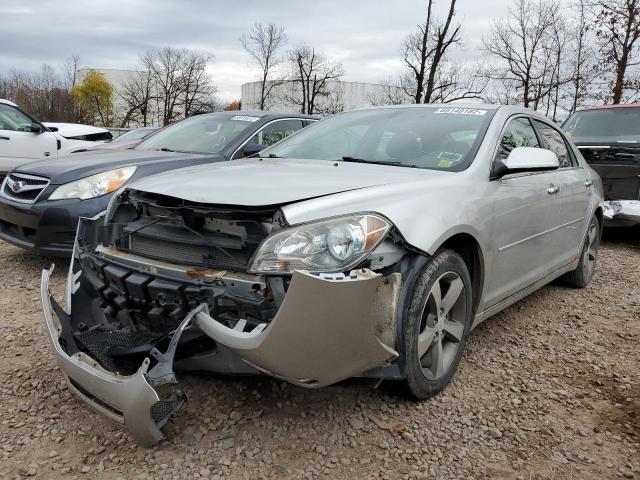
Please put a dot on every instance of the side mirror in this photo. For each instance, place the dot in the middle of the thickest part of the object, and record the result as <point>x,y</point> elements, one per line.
<point>526,159</point>
<point>252,149</point>
<point>35,128</point>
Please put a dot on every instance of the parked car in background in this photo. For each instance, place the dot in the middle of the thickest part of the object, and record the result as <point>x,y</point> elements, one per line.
<point>369,244</point>
<point>40,202</point>
<point>609,139</point>
<point>126,140</point>
<point>24,139</point>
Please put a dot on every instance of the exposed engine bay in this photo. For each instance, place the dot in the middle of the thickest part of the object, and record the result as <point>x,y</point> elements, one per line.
<point>154,260</point>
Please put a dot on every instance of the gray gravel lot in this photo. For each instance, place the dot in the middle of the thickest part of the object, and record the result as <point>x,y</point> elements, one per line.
<point>549,388</point>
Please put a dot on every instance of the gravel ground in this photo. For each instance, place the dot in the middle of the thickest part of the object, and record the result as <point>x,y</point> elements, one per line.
<point>550,389</point>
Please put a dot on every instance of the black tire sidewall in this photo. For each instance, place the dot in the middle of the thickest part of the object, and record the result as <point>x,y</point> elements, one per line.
<point>585,275</point>
<point>441,262</point>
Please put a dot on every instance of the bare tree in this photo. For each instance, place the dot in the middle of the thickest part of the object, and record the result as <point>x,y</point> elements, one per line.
<point>164,65</point>
<point>518,46</point>
<point>311,74</point>
<point>389,92</point>
<point>581,63</point>
<point>137,94</point>
<point>425,51</point>
<point>617,27</point>
<point>70,68</point>
<point>180,81</point>
<point>263,43</point>
<point>455,82</point>
<point>198,88</point>
<point>41,93</point>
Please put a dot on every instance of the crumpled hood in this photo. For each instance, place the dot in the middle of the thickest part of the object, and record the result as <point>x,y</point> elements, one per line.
<point>254,182</point>
<point>79,165</point>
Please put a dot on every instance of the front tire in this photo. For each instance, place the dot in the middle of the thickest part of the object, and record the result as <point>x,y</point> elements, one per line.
<point>437,322</point>
<point>581,276</point>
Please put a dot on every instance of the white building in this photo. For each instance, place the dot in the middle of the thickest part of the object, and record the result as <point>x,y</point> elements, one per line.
<point>116,78</point>
<point>342,96</point>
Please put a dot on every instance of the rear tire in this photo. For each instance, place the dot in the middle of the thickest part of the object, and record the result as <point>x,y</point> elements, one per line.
<point>581,276</point>
<point>437,322</point>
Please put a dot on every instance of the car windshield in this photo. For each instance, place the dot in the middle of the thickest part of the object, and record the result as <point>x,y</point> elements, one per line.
<point>441,138</point>
<point>607,125</point>
<point>200,134</point>
<point>133,135</point>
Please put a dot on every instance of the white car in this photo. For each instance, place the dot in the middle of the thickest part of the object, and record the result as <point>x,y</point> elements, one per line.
<point>24,139</point>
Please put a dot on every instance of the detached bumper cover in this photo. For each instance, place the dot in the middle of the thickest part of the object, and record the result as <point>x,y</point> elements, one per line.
<point>326,330</point>
<point>128,400</point>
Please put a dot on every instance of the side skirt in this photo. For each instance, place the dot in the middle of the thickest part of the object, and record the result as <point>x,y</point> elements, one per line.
<point>507,302</point>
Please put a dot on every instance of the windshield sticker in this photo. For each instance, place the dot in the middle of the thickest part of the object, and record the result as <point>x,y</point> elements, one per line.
<point>462,111</point>
<point>245,118</point>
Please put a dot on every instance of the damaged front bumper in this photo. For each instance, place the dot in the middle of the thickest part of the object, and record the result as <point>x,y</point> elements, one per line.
<point>329,327</point>
<point>624,212</point>
<point>127,399</point>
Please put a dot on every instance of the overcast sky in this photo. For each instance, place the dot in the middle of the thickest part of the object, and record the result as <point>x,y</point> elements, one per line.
<point>364,35</point>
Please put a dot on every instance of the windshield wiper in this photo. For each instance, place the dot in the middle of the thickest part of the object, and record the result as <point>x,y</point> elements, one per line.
<point>380,162</point>
<point>165,149</point>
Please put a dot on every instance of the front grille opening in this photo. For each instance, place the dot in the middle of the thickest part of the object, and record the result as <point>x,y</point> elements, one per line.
<point>196,235</point>
<point>23,187</point>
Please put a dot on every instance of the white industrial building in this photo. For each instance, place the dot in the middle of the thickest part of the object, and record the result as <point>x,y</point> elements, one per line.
<point>341,96</point>
<point>116,78</point>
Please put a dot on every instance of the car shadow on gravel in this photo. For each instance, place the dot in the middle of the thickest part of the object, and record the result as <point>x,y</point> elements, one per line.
<point>629,236</point>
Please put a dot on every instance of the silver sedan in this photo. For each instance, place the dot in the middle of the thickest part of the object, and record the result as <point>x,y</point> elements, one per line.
<point>369,244</point>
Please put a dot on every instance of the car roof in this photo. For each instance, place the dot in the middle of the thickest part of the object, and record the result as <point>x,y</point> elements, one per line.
<point>506,109</point>
<point>262,114</point>
<point>7,102</point>
<point>606,107</point>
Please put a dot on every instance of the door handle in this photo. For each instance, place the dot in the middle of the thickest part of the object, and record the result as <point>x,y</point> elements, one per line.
<point>4,138</point>
<point>588,183</point>
<point>553,189</point>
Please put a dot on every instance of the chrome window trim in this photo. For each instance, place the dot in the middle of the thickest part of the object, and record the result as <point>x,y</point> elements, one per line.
<point>265,126</point>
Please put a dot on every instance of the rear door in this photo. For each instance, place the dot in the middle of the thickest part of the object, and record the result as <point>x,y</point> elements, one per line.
<point>525,217</point>
<point>573,195</point>
<point>17,143</point>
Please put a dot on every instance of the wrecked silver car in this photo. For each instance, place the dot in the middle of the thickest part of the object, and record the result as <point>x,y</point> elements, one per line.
<point>368,245</point>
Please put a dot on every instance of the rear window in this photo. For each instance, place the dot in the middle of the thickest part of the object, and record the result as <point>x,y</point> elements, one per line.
<point>610,125</point>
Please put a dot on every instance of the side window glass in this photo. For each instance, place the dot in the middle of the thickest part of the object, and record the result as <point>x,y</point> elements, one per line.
<point>275,132</point>
<point>518,133</point>
<point>14,120</point>
<point>553,141</point>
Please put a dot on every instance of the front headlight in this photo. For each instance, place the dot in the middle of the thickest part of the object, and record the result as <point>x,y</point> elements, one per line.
<point>331,245</point>
<point>95,185</point>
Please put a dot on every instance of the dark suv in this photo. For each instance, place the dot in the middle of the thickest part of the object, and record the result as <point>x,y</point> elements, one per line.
<point>609,139</point>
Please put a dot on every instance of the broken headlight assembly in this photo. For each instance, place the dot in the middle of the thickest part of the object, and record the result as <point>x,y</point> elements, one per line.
<point>331,245</point>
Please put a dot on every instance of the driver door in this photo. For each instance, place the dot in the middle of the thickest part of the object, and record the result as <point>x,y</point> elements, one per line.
<point>525,213</point>
<point>17,143</point>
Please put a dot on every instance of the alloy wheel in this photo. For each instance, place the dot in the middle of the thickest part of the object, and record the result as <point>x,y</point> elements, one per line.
<point>442,325</point>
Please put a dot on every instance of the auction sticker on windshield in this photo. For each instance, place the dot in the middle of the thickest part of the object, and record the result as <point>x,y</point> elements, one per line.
<point>462,111</point>
<point>245,118</point>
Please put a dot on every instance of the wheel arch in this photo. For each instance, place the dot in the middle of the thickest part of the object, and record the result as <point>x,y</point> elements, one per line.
<point>466,245</point>
<point>599,213</point>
